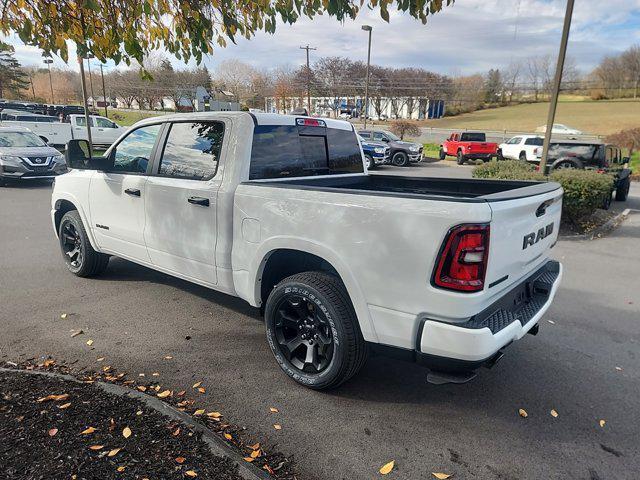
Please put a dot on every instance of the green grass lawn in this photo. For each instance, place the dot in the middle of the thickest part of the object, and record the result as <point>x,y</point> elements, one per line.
<point>634,164</point>
<point>596,117</point>
<point>129,117</point>
<point>431,150</point>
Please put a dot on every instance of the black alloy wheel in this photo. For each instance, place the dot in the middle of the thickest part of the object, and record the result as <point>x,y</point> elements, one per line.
<point>72,246</point>
<point>303,334</point>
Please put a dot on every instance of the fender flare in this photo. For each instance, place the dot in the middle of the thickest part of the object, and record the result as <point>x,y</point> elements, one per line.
<point>83,216</point>
<point>356,295</point>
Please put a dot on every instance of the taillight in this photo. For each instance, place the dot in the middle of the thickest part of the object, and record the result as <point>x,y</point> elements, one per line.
<point>462,263</point>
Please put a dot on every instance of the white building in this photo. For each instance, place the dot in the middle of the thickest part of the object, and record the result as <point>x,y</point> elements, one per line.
<point>402,107</point>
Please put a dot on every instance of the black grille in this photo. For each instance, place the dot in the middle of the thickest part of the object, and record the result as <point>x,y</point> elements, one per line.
<point>38,160</point>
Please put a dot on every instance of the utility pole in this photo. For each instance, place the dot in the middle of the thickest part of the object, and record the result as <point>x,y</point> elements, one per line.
<point>307,48</point>
<point>83,81</point>
<point>93,97</point>
<point>551,117</point>
<point>367,28</point>
<point>49,61</point>
<point>104,95</point>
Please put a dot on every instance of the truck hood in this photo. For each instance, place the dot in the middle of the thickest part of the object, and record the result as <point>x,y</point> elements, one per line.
<point>44,151</point>
<point>403,144</point>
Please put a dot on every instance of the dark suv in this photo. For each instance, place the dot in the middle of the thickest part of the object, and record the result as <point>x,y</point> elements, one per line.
<point>402,153</point>
<point>605,158</point>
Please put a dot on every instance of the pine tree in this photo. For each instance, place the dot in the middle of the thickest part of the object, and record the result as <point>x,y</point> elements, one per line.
<point>12,78</point>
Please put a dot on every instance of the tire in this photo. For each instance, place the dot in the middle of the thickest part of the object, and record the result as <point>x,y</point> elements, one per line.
<point>370,163</point>
<point>85,262</point>
<point>606,202</point>
<point>523,156</point>
<point>499,155</point>
<point>622,192</point>
<point>312,311</point>
<point>563,165</point>
<point>400,159</point>
<point>460,158</point>
<point>442,154</point>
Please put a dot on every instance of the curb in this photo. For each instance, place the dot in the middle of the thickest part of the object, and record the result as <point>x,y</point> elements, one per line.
<point>216,445</point>
<point>603,229</point>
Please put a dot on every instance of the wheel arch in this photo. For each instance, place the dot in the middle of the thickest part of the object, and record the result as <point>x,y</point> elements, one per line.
<point>66,204</point>
<point>278,260</point>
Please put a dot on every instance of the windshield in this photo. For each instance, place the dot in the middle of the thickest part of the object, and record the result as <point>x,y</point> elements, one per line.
<point>20,139</point>
<point>393,137</point>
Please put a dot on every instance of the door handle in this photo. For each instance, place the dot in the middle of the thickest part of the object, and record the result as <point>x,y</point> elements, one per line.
<point>134,192</point>
<point>199,201</point>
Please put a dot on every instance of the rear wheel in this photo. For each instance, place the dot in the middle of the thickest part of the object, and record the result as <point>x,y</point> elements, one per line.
<point>523,156</point>
<point>313,331</point>
<point>622,192</point>
<point>499,155</point>
<point>606,202</point>
<point>460,157</point>
<point>79,256</point>
<point>400,159</point>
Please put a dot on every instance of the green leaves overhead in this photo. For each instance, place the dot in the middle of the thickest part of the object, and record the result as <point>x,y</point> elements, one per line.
<point>126,30</point>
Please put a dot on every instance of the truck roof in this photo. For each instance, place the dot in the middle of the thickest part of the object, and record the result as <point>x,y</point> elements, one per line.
<point>257,118</point>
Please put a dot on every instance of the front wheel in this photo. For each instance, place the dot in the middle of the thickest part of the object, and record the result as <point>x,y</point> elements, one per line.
<point>79,256</point>
<point>622,192</point>
<point>313,331</point>
<point>523,156</point>
<point>400,159</point>
<point>442,154</point>
<point>369,162</point>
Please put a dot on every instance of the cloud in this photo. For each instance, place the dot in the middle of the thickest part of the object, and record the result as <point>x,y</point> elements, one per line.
<point>470,36</point>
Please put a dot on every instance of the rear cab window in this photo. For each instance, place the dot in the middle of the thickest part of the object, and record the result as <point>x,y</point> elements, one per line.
<point>537,141</point>
<point>308,148</point>
<point>473,137</point>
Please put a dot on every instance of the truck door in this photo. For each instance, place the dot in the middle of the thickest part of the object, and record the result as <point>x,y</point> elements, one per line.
<point>104,131</point>
<point>182,192</point>
<point>117,197</point>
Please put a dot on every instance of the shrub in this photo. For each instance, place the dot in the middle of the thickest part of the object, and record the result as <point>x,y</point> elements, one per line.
<point>584,190</point>
<point>405,127</point>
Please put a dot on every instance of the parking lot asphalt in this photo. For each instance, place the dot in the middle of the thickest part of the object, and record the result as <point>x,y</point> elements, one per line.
<point>585,365</point>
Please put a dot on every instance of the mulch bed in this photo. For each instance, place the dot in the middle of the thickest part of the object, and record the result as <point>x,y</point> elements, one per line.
<point>42,419</point>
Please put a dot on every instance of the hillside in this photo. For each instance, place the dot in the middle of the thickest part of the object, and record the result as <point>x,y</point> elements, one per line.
<point>601,117</point>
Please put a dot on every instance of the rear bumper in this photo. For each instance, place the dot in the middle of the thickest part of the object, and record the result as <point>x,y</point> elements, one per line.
<point>470,344</point>
<point>479,156</point>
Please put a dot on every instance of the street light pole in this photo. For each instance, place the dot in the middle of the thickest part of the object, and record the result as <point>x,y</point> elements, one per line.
<point>49,61</point>
<point>104,95</point>
<point>307,48</point>
<point>551,117</point>
<point>83,82</point>
<point>367,28</point>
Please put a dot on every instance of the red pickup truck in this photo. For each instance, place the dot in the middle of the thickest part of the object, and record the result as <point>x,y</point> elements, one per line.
<point>468,146</point>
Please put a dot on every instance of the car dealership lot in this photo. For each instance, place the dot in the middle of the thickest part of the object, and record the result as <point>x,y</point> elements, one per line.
<point>136,317</point>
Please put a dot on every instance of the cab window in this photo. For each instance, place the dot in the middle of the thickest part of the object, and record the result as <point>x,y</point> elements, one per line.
<point>192,150</point>
<point>104,123</point>
<point>133,153</point>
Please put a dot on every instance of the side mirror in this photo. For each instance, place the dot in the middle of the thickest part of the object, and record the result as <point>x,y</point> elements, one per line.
<point>78,155</point>
<point>384,139</point>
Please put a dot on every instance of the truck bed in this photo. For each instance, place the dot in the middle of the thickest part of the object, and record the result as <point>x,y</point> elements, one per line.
<point>428,188</point>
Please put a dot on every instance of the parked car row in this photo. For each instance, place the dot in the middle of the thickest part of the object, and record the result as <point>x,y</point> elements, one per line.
<point>401,153</point>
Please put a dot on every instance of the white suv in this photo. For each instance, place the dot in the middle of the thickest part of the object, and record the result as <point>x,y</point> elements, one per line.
<point>521,147</point>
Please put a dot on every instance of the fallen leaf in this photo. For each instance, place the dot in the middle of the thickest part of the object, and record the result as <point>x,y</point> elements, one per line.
<point>214,414</point>
<point>228,436</point>
<point>196,385</point>
<point>126,432</point>
<point>96,447</point>
<point>63,316</point>
<point>176,432</point>
<point>551,322</point>
<point>268,469</point>
<point>47,363</point>
<point>89,342</point>
<point>255,446</point>
<point>523,413</point>
<point>441,476</point>
<point>168,357</point>
<point>114,452</point>
<point>201,389</point>
<point>120,469</point>
<point>180,460</point>
<point>553,413</point>
<point>64,405</point>
<point>155,374</point>
<point>619,369</point>
<point>387,467</point>
<point>139,412</point>
<point>88,431</point>
<point>100,359</point>
<point>52,432</point>
<point>249,459</point>
<point>199,412</point>
<point>141,374</point>
<point>191,473</point>
<point>602,423</point>
<point>255,454</point>
<point>181,393</point>
<point>277,426</point>
<point>55,398</point>
<point>164,394</point>
<point>142,388</point>
<point>157,388</point>
<point>273,410</point>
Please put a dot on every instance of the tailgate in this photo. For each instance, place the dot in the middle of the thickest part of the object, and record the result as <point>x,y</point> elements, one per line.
<point>523,230</point>
<point>483,147</point>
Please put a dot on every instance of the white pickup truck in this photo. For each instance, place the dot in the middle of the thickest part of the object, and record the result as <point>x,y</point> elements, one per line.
<point>280,211</point>
<point>103,131</point>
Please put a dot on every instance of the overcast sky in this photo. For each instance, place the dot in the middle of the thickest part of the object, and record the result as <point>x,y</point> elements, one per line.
<point>471,36</point>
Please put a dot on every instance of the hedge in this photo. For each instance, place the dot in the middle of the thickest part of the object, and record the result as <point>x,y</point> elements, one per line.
<point>584,190</point>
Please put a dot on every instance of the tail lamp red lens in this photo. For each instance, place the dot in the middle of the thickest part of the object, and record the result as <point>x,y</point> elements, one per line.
<point>462,264</point>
